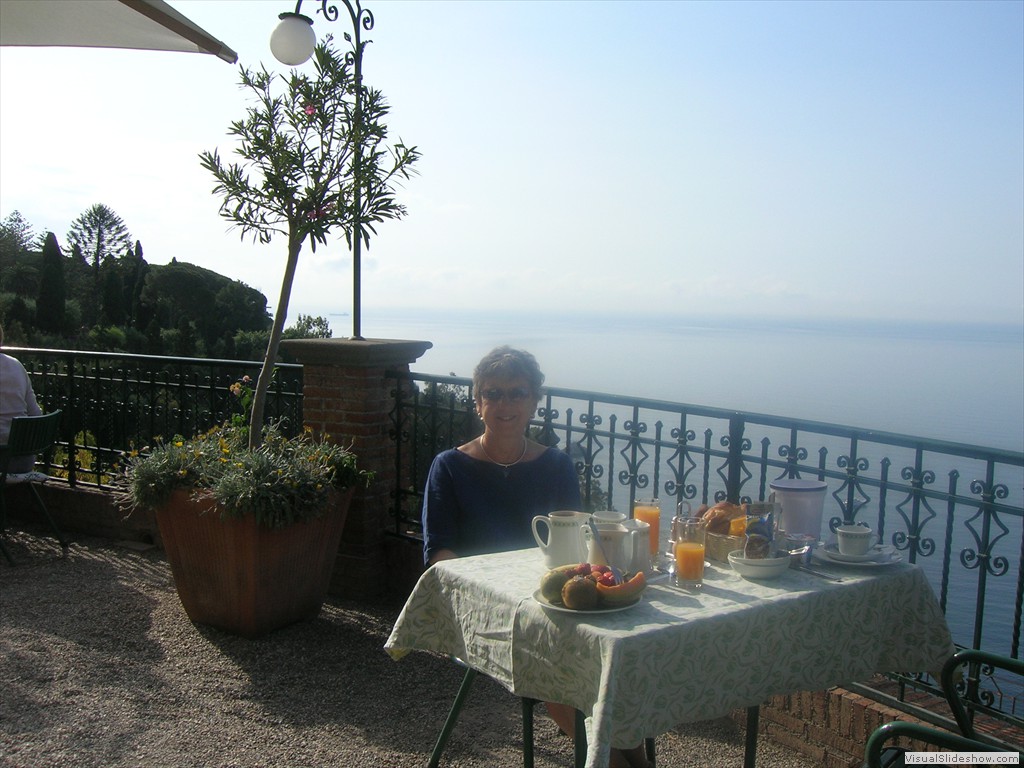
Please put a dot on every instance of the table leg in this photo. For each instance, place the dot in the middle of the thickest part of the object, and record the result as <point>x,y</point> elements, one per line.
<point>453,716</point>
<point>580,742</point>
<point>528,705</point>
<point>750,750</point>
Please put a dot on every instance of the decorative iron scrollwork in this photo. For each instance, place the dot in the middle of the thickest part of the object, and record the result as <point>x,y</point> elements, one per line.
<point>915,525</point>
<point>850,495</point>
<point>681,465</point>
<point>793,455</point>
<point>973,558</point>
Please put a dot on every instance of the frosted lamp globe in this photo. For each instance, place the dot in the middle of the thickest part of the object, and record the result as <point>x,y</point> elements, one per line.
<point>293,40</point>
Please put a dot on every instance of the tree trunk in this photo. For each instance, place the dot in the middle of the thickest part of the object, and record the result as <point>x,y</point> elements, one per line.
<point>280,315</point>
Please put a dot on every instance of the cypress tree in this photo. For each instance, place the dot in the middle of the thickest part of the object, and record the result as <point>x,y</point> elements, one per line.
<point>50,303</point>
<point>112,295</point>
<point>134,283</point>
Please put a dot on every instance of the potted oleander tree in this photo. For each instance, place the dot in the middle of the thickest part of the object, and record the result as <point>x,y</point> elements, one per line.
<point>251,520</point>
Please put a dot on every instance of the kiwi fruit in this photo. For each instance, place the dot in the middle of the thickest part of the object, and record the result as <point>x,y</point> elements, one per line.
<point>580,594</point>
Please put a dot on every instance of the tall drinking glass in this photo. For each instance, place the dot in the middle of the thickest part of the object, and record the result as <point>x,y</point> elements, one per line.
<point>649,510</point>
<point>688,534</point>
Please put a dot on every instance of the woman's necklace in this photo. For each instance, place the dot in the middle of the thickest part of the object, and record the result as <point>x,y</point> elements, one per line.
<point>505,467</point>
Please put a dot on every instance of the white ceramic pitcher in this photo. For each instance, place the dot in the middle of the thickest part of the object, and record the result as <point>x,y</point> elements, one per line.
<point>563,545</point>
<point>619,543</point>
<point>641,539</point>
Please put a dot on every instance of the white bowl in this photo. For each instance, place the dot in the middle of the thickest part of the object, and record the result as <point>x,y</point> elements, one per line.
<point>768,568</point>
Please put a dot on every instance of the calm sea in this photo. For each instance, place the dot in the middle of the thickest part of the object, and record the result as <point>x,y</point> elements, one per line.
<point>954,382</point>
<point>963,383</point>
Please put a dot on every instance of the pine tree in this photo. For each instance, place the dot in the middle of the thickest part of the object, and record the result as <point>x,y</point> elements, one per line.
<point>15,238</point>
<point>16,233</point>
<point>100,233</point>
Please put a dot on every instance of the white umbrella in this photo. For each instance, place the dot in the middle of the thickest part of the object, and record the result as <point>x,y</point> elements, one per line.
<point>138,24</point>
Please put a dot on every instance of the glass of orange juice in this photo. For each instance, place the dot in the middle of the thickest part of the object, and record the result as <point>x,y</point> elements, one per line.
<point>649,510</point>
<point>688,535</point>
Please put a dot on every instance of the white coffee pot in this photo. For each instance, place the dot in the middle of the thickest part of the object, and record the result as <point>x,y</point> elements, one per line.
<point>625,548</point>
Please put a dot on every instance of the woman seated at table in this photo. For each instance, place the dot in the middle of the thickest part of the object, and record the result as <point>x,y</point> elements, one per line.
<point>482,496</point>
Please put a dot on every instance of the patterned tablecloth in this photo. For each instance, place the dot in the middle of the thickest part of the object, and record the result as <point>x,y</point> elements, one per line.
<point>676,656</point>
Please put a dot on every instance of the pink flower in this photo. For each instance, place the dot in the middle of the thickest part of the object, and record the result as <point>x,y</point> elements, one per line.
<point>310,110</point>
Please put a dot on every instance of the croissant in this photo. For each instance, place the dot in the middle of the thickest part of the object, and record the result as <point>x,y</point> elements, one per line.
<point>717,517</point>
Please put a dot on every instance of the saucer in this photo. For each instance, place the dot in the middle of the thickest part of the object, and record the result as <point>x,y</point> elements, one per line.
<point>874,553</point>
<point>878,556</point>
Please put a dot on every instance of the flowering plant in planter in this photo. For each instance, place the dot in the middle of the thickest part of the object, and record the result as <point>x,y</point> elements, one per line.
<point>282,481</point>
<point>251,534</point>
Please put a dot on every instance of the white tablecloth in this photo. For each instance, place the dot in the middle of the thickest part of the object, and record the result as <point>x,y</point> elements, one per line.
<point>676,656</point>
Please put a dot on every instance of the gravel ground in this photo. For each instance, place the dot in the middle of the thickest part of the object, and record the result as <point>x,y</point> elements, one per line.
<point>99,666</point>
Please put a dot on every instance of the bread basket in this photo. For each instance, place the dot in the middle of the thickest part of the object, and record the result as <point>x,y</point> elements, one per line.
<point>717,546</point>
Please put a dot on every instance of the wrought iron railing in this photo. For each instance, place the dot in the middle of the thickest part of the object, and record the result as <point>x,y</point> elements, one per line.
<point>954,509</point>
<point>113,403</point>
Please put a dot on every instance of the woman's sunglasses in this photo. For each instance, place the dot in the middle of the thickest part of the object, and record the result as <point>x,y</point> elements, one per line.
<point>514,395</point>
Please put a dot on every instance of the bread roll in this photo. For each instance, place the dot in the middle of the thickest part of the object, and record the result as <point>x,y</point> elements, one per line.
<point>717,517</point>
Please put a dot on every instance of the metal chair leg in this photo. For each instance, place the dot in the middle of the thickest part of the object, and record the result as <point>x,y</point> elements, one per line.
<point>750,749</point>
<point>580,744</point>
<point>3,549</point>
<point>64,543</point>
<point>580,741</point>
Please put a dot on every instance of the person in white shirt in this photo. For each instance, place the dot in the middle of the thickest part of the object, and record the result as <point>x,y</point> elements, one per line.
<point>16,399</point>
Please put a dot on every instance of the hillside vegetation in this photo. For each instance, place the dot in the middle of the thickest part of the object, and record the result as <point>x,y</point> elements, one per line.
<point>85,296</point>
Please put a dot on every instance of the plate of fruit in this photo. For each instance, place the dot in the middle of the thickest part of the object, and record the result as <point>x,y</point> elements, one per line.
<point>586,588</point>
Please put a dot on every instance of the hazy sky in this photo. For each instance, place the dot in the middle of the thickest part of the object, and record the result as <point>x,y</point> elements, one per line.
<point>800,159</point>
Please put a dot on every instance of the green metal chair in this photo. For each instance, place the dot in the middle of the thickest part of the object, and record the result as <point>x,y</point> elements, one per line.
<point>29,436</point>
<point>580,745</point>
<point>877,755</point>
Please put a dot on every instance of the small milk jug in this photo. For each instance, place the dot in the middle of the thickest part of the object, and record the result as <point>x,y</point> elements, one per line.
<point>563,545</point>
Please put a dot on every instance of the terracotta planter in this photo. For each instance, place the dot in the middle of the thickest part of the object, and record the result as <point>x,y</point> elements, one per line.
<point>246,579</point>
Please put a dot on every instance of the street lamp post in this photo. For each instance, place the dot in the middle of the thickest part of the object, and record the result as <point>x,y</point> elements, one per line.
<point>292,43</point>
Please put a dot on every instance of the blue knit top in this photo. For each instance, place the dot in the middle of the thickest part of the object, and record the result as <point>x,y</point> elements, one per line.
<point>473,507</point>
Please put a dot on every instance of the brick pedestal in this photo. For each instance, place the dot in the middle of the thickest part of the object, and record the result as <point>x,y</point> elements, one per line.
<point>347,396</point>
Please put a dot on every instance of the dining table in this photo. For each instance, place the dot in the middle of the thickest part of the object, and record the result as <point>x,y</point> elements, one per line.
<point>677,655</point>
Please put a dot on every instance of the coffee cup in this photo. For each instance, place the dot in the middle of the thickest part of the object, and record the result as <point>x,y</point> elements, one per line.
<point>855,540</point>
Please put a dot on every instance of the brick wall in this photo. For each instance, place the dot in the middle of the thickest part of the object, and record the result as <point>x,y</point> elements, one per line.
<point>829,727</point>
